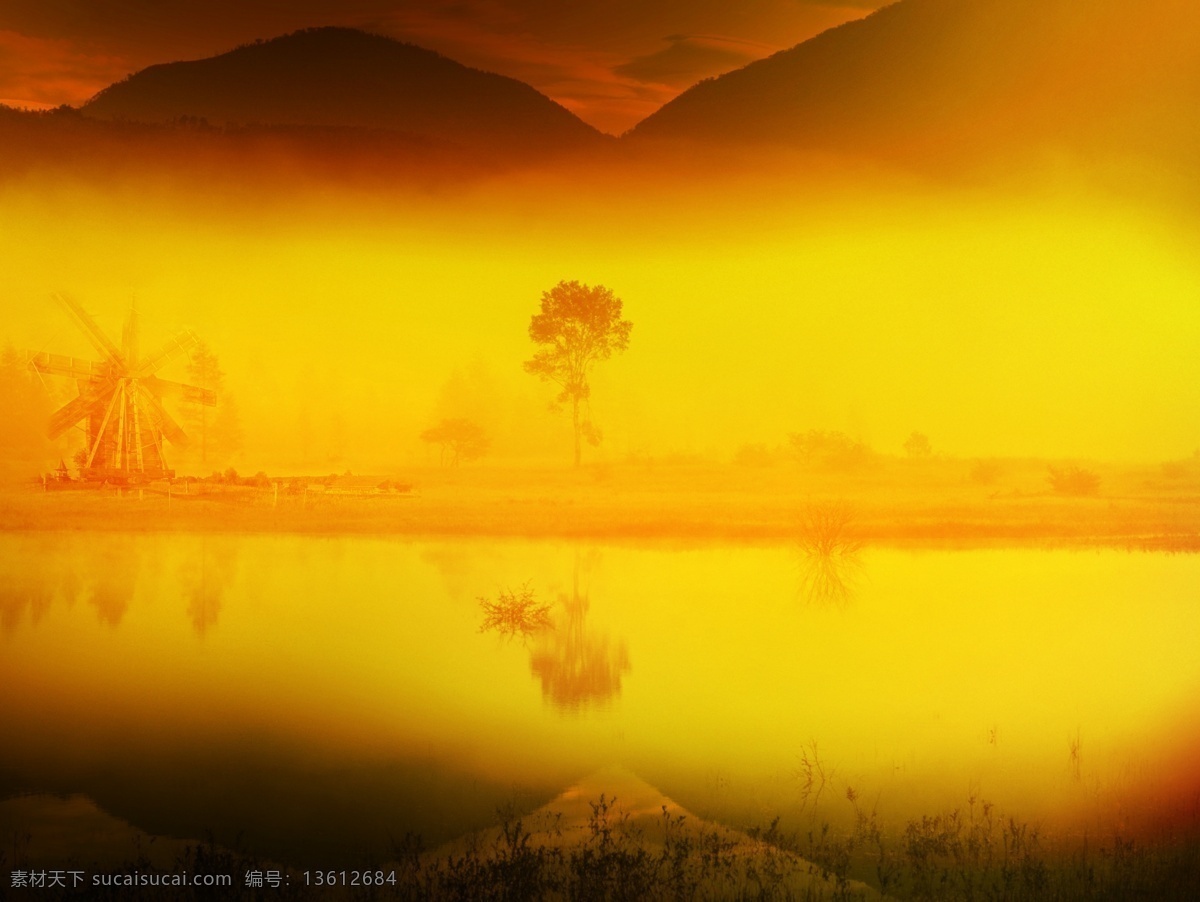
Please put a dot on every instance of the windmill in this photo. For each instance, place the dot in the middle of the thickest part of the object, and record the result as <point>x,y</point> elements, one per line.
<point>120,400</point>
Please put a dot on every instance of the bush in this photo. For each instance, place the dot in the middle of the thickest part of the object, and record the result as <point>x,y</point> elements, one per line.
<point>831,450</point>
<point>1074,481</point>
<point>753,456</point>
<point>986,472</point>
<point>515,613</point>
<point>1181,469</point>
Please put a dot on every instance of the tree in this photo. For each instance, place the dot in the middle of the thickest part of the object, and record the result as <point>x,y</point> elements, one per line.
<point>460,439</point>
<point>205,372</point>
<point>917,445</point>
<point>576,327</point>
<point>24,448</point>
<point>830,450</point>
<point>220,433</point>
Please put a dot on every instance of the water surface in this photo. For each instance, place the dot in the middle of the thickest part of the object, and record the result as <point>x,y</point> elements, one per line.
<point>325,695</point>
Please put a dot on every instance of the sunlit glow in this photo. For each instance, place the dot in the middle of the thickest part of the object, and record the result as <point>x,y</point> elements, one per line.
<point>874,492</point>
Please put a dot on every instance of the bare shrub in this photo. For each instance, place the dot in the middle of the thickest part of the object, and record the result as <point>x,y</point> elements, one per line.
<point>515,613</point>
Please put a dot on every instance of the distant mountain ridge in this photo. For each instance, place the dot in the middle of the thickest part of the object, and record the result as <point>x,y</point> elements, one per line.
<point>341,77</point>
<point>926,83</point>
<point>964,76</point>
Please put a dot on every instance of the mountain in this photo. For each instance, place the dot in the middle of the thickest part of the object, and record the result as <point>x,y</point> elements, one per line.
<point>340,77</point>
<point>946,79</point>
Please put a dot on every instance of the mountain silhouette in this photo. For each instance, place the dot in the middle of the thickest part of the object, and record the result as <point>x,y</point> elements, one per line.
<point>939,79</point>
<point>341,77</point>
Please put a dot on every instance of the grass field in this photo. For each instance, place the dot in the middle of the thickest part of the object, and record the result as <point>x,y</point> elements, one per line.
<point>890,501</point>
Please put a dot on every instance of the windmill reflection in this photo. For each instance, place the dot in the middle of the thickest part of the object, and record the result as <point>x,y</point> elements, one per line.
<point>578,667</point>
<point>829,553</point>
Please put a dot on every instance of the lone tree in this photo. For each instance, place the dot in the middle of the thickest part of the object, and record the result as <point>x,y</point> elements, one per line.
<point>576,327</point>
<point>459,440</point>
<point>917,445</point>
<point>220,433</point>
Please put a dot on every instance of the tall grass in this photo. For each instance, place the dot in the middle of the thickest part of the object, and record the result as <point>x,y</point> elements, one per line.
<point>972,853</point>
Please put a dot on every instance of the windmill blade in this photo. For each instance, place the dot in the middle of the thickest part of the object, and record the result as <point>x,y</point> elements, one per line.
<point>99,340</point>
<point>74,411</point>
<point>160,418</point>
<point>180,344</point>
<point>190,393</point>
<point>61,365</point>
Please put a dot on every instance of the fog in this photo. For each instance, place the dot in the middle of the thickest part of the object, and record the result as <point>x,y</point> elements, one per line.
<point>1045,318</point>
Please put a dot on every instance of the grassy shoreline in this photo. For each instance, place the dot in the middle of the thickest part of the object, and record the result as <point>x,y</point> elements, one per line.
<point>904,503</point>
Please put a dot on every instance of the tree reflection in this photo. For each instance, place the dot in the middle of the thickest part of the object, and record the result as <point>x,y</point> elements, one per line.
<point>205,579</point>
<point>829,553</point>
<point>116,570</point>
<point>24,589</point>
<point>106,572</point>
<point>34,574</point>
<point>578,667</point>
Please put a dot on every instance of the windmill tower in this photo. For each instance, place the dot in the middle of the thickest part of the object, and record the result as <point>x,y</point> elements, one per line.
<point>120,400</point>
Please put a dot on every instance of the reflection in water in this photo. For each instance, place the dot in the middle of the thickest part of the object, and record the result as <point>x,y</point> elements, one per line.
<point>578,667</point>
<point>33,575</point>
<point>331,656</point>
<point>23,588</point>
<point>458,567</point>
<point>829,553</point>
<point>515,613</point>
<point>205,578</point>
<point>115,578</point>
<point>106,573</point>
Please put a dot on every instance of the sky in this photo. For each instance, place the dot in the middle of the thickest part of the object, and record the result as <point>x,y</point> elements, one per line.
<point>611,62</point>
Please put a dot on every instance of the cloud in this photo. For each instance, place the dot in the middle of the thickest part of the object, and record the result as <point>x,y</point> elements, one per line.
<point>44,72</point>
<point>688,58</point>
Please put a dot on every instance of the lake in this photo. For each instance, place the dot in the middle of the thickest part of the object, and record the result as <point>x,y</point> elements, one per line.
<point>320,697</point>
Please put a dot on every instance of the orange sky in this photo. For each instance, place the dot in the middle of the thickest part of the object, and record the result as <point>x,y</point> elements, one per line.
<point>612,62</point>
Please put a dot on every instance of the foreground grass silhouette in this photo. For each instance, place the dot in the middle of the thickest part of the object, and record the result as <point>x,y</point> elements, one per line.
<point>641,845</point>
